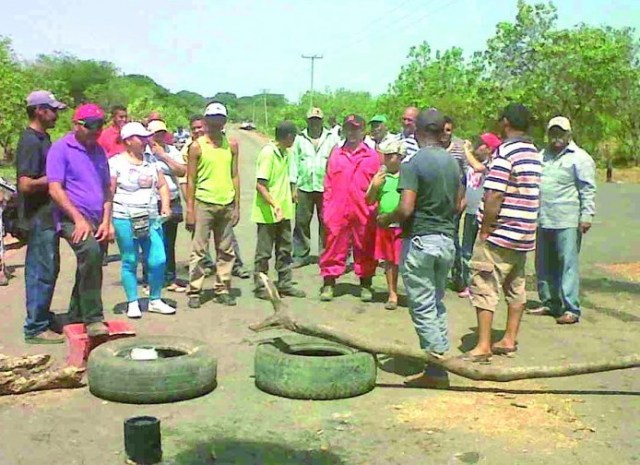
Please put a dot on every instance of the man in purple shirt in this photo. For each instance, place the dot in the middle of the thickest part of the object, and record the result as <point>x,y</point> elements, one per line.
<point>78,176</point>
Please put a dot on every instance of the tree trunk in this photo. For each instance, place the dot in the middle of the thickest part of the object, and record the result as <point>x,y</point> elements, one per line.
<point>28,373</point>
<point>282,318</point>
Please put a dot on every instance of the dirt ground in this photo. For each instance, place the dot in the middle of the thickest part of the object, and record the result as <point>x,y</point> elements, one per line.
<point>580,420</point>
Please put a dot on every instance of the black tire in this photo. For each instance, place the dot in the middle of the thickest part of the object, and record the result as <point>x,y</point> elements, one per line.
<point>299,367</point>
<point>114,377</point>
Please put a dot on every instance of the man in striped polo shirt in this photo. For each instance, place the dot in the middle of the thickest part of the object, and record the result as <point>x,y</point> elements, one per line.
<point>507,219</point>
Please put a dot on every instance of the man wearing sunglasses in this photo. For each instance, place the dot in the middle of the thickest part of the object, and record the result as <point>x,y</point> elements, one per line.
<point>79,184</point>
<point>42,262</point>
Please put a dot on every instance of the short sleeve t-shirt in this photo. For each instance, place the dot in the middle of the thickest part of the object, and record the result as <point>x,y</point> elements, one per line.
<point>170,178</point>
<point>83,174</point>
<point>273,166</point>
<point>136,186</point>
<point>433,174</point>
<point>31,158</point>
<point>389,196</point>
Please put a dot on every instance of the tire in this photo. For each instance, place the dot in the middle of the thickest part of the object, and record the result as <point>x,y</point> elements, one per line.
<point>298,367</point>
<point>116,378</point>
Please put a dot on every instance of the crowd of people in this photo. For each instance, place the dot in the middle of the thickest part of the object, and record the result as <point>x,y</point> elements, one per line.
<point>400,200</point>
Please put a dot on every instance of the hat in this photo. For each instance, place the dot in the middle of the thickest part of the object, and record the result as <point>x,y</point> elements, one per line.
<point>215,109</point>
<point>88,111</point>
<point>491,140</point>
<point>156,126</point>
<point>354,120</point>
<point>391,146</point>
<point>378,119</point>
<point>431,119</point>
<point>315,113</point>
<point>133,129</point>
<point>561,122</point>
<point>44,97</point>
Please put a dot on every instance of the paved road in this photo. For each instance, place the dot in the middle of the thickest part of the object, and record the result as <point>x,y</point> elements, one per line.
<point>72,427</point>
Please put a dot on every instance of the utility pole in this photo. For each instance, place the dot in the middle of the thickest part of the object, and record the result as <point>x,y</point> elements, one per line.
<point>313,59</point>
<point>266,114</point>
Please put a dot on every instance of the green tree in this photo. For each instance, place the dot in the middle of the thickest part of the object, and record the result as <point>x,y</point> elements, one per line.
<point>14,87</point>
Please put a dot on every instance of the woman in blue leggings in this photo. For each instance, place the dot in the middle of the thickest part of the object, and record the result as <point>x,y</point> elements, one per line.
<point>136,182</point>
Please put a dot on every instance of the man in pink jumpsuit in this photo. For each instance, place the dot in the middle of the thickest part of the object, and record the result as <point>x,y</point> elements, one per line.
<point>348,220</point>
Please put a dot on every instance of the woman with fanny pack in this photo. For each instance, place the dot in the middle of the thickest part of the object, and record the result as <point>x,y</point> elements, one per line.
<point>136,181</point>
<point>171,164</point>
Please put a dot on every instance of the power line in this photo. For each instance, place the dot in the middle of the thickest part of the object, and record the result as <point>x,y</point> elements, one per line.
<point>313,59</point>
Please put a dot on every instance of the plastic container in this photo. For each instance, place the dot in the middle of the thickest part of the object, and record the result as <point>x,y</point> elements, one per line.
<point>142,440</point>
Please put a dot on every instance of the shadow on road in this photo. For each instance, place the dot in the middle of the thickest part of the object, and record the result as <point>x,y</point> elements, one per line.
<point>609,285</point>
<point>493,390</point>
<point>229,451</point>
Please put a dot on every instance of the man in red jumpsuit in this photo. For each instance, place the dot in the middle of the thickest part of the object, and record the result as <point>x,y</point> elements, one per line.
<point>348,220</point>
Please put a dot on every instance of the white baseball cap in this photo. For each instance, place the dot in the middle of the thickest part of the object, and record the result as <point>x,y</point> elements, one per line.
<point>133,129</point>
<point>156,125</point>
<point>560,121</point>
<point>215,109</point>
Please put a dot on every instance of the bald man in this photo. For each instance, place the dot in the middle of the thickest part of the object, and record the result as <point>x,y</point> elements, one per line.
<point>408,135</point>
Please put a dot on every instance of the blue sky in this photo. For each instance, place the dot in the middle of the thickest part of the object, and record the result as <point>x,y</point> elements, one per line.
<point>243,46</point>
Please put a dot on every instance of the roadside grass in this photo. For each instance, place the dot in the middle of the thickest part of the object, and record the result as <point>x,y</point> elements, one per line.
<point>624,175</point>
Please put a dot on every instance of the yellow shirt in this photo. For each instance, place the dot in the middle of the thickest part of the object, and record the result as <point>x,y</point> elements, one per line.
<point>274,167</point>
<point>214,183</point>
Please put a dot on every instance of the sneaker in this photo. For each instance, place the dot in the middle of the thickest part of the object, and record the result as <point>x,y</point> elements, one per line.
<point>133,310</point>
<point>366,294</point>
<point>175,287</point>
<point>291,291</point>
<point>158,306</point>
<point>326,293</point>
<point>568,318</point>
<point>97,329</point>
<point>194,301</point>
<point>261,294</point>
<point>226,299</point>
<point>241,273</point>
<point>302,262</point>
<point>464,293</point>
<point>542,310</point>
<point>45,337</point>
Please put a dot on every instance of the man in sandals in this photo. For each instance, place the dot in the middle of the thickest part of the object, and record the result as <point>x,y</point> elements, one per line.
<point>507,217</point>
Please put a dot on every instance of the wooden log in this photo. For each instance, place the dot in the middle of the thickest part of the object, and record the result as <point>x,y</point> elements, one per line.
<point>19,382</point>
<point>28,362</point>
<point>283,318</point>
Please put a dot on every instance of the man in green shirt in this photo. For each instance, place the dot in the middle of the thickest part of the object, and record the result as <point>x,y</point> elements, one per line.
<point>273,210</point>
<point>311,150</point>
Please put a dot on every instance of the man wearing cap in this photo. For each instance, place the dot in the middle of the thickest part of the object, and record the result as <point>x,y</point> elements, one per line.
<point>80,186</point>
<point>110,137</point>
<point>567,207</point>
<point>379,134</point>
<point>407,136</point>
<point>347,218</point>
<point>507,217</point>
<point>213,204</point>
<point>310,152</point>
<point>42,262</point>
<point>431,197</point>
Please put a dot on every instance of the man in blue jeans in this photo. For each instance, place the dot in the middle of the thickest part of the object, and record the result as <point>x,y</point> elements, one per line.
<point>567,206</point>
<point>34,209</point>
<point>431,199</point>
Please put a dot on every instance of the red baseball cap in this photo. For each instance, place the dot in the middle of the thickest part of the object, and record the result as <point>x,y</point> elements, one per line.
<point>354,120</point>
<point>88,111</point>
<point>491,140</point>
